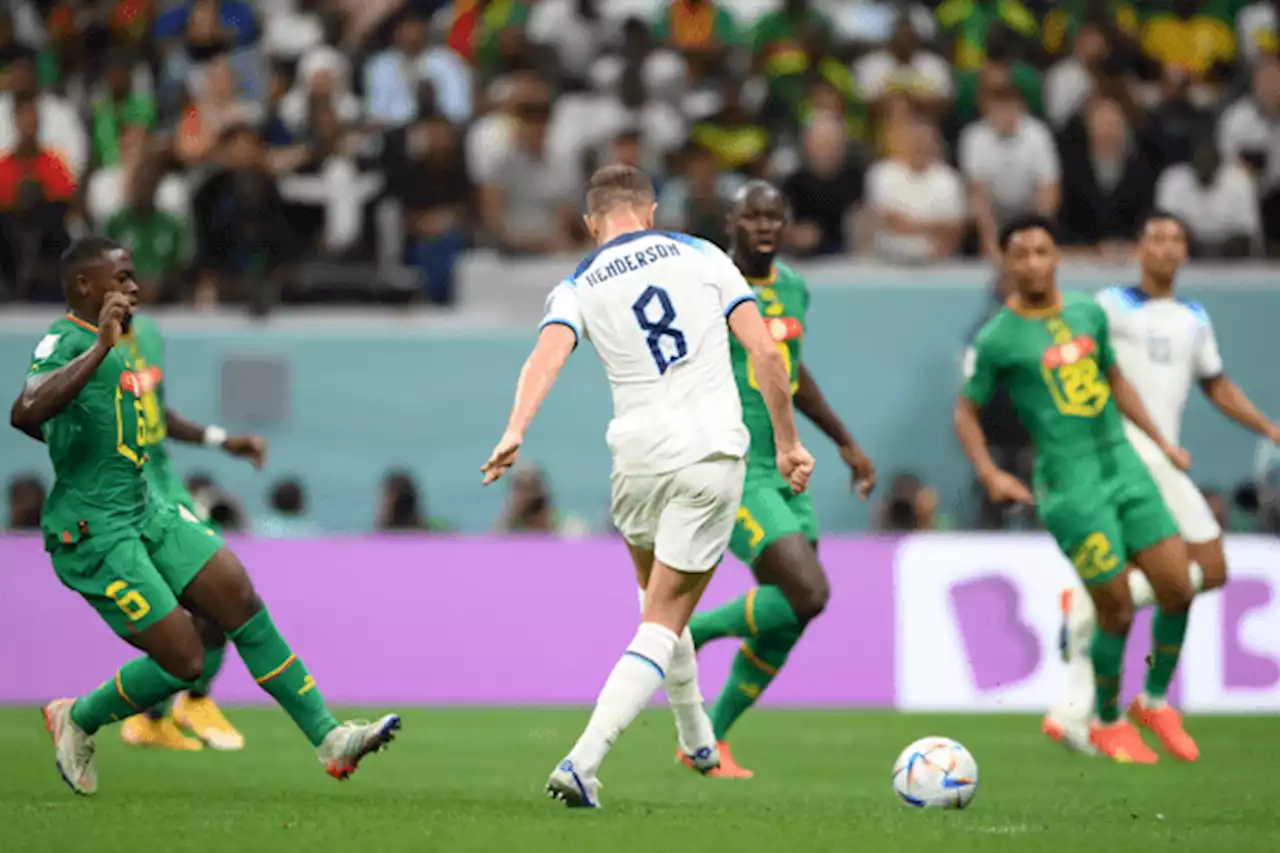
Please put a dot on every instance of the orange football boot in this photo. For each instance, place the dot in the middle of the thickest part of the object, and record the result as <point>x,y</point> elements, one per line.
<point>728,768</point>
<point>1166,724</point>
<point>1121,743</point>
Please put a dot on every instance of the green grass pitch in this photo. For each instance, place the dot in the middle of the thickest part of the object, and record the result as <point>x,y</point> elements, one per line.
<point>457,781</point>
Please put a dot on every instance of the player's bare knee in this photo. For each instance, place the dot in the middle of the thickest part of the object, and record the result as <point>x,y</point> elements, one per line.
<point>1115,616</point>
<point>1212,561</point>
<point>1174,595</point>
<point>811,599</point>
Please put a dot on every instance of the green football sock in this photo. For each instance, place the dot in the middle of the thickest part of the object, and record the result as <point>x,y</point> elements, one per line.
<point>213,658</point>
<point>762,610</point>
<point>1167,632</point>
<point>1108,661</point>
<point>280,672</point>
<point>754,668</point>
<point>137,686</point>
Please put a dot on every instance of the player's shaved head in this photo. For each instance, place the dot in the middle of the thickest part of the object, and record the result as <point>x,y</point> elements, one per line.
<point>757,192</point>
<point>619,186</point>
<point>757,219</point>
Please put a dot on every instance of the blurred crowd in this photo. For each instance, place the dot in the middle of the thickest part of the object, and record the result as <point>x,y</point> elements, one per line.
<point>283,149</point>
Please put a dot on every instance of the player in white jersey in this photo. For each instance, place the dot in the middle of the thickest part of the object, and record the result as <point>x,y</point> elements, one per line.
<point>656,306</point>
<point>1164,344</point>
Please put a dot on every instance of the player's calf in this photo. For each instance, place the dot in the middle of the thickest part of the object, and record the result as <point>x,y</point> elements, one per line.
<point>1209,561</point>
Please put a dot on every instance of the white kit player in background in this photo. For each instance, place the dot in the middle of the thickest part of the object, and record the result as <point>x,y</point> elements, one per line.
<point>1164,345</point>
<point>655,305</point>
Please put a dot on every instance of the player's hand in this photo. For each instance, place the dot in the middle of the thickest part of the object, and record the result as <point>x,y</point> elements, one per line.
<point>864,472</point>
<point>1003,488</point>
<point>503,457</point>
<point>1179,456</point>
<point>251,447</point>
<point>796,465</point>
<point>111,318</point>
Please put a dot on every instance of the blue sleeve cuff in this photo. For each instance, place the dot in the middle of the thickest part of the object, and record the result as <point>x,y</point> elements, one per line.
<point>733,306</point>
<point>560,321</point>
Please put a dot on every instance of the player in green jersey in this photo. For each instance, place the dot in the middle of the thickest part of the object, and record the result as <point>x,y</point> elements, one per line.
<point>1052,352</point>
<point>165,725</point>
<point>777,530</point>
<point>140,561</point>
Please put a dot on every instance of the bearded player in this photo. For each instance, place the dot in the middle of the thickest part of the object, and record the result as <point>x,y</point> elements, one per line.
<point>166,725</point>
<point>1164,344</point>
<point>143,563</point>
<point>776,533</point>
<point>1053,353</point>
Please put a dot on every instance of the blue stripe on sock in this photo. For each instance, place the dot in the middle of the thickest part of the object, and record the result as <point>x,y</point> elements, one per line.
<point>656,668</point>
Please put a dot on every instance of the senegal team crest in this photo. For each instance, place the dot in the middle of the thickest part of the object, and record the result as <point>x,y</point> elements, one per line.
<point>1071,352</point>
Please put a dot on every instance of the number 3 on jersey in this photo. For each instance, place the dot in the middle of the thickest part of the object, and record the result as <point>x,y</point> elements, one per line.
<point>660,328</point>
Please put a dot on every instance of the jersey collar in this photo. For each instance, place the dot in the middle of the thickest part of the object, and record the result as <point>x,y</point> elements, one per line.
<point>1015,305</point>
<point>764,282</point>
<point>81,323</point>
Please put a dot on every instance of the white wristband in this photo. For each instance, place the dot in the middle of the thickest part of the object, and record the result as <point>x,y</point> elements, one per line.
<point>214,436</point>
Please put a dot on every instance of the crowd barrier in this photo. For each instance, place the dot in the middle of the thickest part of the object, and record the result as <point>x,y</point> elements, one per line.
<point>956,622</point>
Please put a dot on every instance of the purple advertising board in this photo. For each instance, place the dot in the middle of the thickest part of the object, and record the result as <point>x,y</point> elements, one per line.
<point>949,622</point>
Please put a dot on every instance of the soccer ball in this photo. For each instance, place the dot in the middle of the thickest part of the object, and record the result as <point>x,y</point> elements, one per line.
<point>935,772</point>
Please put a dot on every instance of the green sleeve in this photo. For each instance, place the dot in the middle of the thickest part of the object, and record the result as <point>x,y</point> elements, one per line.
<point>1106,352</point>
<point>55,350</point>
<point>980,369</point>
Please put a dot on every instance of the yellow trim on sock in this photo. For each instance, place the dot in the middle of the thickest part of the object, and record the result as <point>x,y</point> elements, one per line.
<point>123,695</point>
<point>751,610</point>
<point>1168,650</point>
<point>281,668</point>
<point>756,662</point>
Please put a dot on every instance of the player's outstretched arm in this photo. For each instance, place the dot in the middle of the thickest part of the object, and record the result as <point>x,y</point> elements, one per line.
<point>746,324</point>
<point>251,447</point>
<point>46,394</point>
<point>1001,485</point>
<point>1230,399</point>
<point>555,344</point>
<point>1132,407</point>
<point>813,404</point>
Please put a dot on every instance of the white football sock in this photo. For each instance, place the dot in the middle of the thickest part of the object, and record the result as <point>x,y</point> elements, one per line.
<point>1076,704</point>
<point>635,678</point>
<point>693,726</point>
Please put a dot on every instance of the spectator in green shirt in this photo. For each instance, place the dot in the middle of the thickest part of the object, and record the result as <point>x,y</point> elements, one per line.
<point>1004,66</point>
<point>156,239</point>
<point>702,30</point>
<point>966,25</point>
<point>778,39</point>
<point>117,107</point>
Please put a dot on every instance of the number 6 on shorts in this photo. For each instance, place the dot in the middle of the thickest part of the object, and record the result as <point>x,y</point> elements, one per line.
<point>130,601</point>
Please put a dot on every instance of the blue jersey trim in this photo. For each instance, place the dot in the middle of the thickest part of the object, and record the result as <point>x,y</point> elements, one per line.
<point>561,321</point>
<point>749,297</point>
<point>620,240</point>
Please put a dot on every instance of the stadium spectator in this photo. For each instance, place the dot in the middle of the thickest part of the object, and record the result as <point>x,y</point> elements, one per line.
<point>531,203</point>
<point>1108,186</point>
<point>62,133</point>
<point>529,508</point>
<point>1177,121</point>
<point>26,500</point>
<point>287,516</point>
<point>239,227</point>
<point>729,128</point>
<point>1256,32</point>
<point>393,77</point>
<point>107,192</point>
<point>704,31</point>
<point>426,171</point>
<point>1249,129</point>
<point>1070,82</point>
<point>157,239</point>
<point>824,191</point>
<point>323,78</point>
<point>916,201</point>
<point>214,106</point>
<point>36,189</point>
<point>1064,19</point>
<point>291,28</point>
<point>1010,163</point>
<point>573,31</point>
<point>192,34</point>
<point>1216,199</point>
<point>909,506</point>
<point>789,47</point>
<point>967,27</point>
<point>696,200</point>
<point>402,508</point>
<point>904,67</point>
<point>122,103</point>
<point>1004,68</point>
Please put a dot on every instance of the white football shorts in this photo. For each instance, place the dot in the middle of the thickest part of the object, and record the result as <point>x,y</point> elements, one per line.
<point>1185,502</point>
<point>685,517</point>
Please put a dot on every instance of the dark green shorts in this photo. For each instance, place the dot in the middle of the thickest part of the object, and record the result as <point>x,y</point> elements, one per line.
<point>1101,521</point>
<point>769,512</point>
<point>133,578</point>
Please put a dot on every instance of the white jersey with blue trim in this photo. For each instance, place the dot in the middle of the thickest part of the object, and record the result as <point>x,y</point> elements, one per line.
<point>1162,346</point>
<point>654,304</point>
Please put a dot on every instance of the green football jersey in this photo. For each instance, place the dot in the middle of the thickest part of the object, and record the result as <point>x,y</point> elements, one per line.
<point>98,444</point>
<point>145,346</point>
<point>784,302</point>
<point>1054,365</point>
